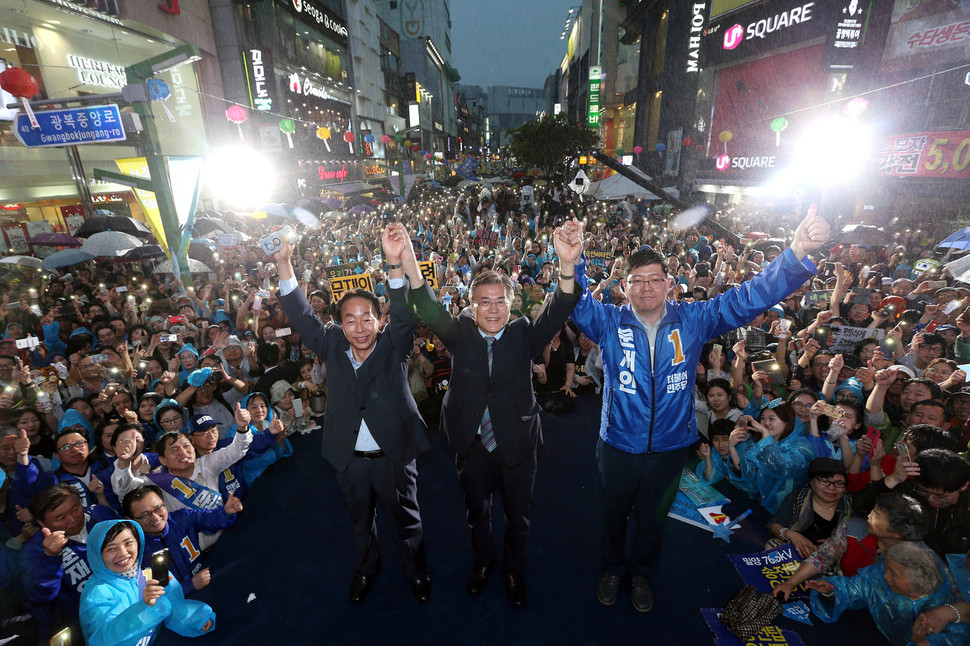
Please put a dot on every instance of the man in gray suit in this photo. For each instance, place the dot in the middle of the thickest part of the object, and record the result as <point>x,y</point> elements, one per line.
<point>372,431</point>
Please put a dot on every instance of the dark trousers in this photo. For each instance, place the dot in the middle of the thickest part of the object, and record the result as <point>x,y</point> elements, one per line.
<point>643,483</point>
<point>365,483</point>
<point>480,473</point>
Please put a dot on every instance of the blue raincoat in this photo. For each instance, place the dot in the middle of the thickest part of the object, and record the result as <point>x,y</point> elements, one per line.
<point>893,613</point>
<point>253,464</point>
<point>113,612</point>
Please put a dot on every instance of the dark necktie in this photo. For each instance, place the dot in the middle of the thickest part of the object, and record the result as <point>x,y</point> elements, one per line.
<point>488,436</point>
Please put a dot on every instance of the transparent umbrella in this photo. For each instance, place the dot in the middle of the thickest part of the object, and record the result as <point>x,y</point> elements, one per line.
<point>110,244</point>
<point>195,266</point>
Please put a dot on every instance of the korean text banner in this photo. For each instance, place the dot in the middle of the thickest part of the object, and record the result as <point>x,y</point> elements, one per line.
<point>940,154</point>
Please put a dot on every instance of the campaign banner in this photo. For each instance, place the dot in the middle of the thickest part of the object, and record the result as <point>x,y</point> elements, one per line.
<point>817,298</point>
<point>684,510</point>
<point>767,636</point>
<point>928,33</point>
<point>700,493</point>
<point>484,238</point>
<point>844,338</point>
<point>598,257</point>
<point>349,276</point>
<point>430,272</point>
<point>766,570</point>
<point>943,154</point>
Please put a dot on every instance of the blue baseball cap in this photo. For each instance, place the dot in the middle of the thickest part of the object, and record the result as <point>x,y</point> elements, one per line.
<point>200,423</point>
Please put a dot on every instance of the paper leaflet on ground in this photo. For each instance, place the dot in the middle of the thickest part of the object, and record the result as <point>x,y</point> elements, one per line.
<point>766,570</point>
<point>768,636</point>
<point>697,503</point>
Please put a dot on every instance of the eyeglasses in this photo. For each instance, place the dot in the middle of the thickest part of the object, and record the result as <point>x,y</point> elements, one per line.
<point>490,304</point>
<point>838,484</point>
<point>643,283</point>
<point>172,421</point>
<point>800,405</point>
<point>932,496</point>
<point>154,511</point>
<point>80,444</point>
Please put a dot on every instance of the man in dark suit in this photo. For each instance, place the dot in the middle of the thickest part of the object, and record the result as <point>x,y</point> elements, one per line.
<point>489,413</point>
<point>372,431</point>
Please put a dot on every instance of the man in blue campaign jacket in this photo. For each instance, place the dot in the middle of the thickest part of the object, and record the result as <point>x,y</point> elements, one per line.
<point>178,531</point>
<point>650,352</point>
<point>56,556</point>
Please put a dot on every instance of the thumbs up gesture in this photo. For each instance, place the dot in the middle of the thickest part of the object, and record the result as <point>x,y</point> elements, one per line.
<point>22,444</point>
<point>54,542</point>
<point>242,418</point>
<point>233,505</point>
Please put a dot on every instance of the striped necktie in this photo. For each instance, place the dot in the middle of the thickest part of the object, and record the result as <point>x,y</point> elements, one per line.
<point>488,436</point>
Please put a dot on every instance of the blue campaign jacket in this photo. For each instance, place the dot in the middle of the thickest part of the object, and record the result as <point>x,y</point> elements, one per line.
<point>254,463</point>
<point>113,612</point>
<point>54,583</point>
<point>181,537</point>
<point>650,408</point>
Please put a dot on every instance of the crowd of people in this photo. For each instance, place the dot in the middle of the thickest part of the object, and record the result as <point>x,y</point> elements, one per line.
<point>817,378</point>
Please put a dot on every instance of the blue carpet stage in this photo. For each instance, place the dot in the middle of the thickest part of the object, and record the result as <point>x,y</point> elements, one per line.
<point>292,548</point>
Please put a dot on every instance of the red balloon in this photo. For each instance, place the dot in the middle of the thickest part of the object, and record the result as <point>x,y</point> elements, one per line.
<point>236,114</point>
<point>19,82</point>
<point>349,137</point>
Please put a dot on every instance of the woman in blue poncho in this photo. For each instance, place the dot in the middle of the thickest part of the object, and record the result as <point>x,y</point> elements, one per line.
<point>908,581</point>
<point>119,606</point>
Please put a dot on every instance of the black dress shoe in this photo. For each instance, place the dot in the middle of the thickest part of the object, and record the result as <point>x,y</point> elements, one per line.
<point>478,579</point>
<point>607,588</point>
<point>515,589</point>
<point>641,594</point>
<point>360,587</point>
<point>422,588</point>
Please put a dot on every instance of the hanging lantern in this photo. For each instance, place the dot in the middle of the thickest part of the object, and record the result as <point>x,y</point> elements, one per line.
<point>724,137</point>
<point>619,152</point>
<point>385,139</point>
<point>637,150</point>
<point>415,147</point>
<point>777,125</point>
<point>422,152</point>
<point>856,106</point>
<point>23,85</point>
<point>158,91</point>
<point>400,138</point>
<point>324,134</point>
<point>349,137</point>
<point>237,115</point>
<point>428,155</point>
<point>687,142</point>
<point>661,147</point>
<point>369,138</point>
<point>288,127</point>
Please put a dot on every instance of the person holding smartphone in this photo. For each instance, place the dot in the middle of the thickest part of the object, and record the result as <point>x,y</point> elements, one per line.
<point>120,606</point>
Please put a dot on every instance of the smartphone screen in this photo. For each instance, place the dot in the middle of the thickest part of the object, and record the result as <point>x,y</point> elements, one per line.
<point>160,566</point>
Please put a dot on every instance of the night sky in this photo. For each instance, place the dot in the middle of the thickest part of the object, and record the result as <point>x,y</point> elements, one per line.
<point>508,42</point>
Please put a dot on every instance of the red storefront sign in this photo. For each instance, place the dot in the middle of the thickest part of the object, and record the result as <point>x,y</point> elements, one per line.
<point>938,154</point>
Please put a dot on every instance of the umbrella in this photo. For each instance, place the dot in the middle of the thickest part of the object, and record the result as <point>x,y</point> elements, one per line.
<point>55,240</point>
<point>142,253</point>
<point>361,208</point>
<point>65,258</point>
<point>960,269</point>
<point>958,240</point>
<point>355,200</point>
<point>196,267</point>
<point>110,243</point>
<point>101,223</point>
<point>330,202</point>
<point>27,262</point>
<point>202,252</point>
<point>864,234</point>
<point>205,226</point>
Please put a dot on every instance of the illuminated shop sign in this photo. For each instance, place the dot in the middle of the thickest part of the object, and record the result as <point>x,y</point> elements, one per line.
<point>759,29</point>
<point>259,77</point>
<point>100,73</point>
<point>313,12</point>
<point>694,39</point>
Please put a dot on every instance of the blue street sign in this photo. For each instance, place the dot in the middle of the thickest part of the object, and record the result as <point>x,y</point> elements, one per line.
<point>90,125</point>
